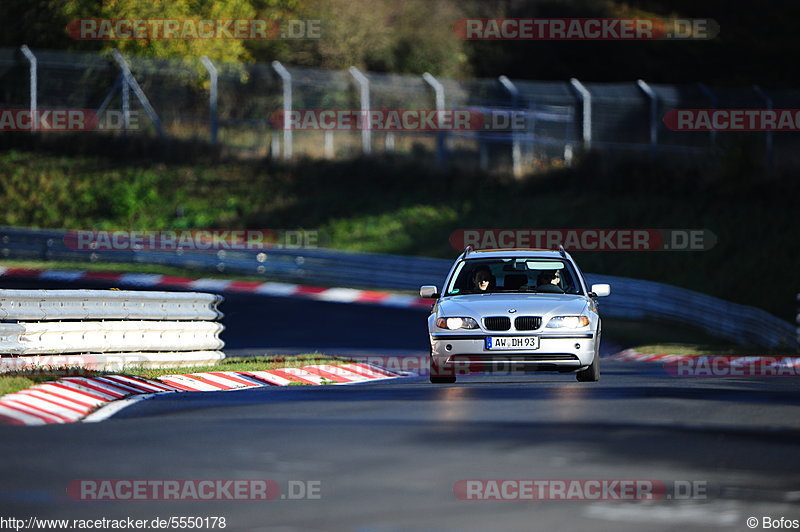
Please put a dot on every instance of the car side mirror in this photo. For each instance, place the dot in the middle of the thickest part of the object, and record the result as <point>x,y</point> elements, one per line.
<point>600,290</point>
<point>429,292</point>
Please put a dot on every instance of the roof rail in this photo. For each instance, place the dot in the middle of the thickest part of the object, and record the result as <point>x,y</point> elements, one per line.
<point>467,251</point>
<point>562,250</point>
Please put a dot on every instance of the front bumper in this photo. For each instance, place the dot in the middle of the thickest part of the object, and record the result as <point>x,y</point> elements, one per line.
<point>562,351</point>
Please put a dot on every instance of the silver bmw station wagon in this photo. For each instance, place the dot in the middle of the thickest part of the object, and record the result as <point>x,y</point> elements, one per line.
<point>514,309</point>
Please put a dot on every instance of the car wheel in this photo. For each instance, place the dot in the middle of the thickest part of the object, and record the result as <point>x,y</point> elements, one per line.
<point>592,373</point>
<point>441,374</point>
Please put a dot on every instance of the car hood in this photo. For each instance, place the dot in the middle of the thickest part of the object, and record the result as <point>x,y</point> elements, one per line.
<point>481,305</point>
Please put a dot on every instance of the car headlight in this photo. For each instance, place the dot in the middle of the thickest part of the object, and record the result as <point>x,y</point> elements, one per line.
<point>568,322</point>
<point>456,323</point>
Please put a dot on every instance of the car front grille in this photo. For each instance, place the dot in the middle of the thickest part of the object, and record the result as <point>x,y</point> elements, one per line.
<point>497,323</point>
<point>528,323</point>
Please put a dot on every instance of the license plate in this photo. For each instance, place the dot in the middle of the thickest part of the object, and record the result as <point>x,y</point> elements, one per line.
<point>511,343</point>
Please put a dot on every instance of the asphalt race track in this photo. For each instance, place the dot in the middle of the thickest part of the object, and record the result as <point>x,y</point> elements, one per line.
<point>387,455</point>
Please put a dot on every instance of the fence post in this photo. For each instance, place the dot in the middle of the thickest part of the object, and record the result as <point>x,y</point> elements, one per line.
<point>768,139</point>
<point>438,90</point>
<point>483,157</point>
<point>328,144</point>
<point>797,321</point>
<point>366,132</point>
<point>653,97</point>
<point>515,149</point>
<point>586,99</point>
<point>126,105</point>
<point>286,79</point>
<point>129,81</point>
<point>568,155</point>
<point>712,98</point>
<point>33,99</point>
<point>212,97</point>
<point>275,146</point>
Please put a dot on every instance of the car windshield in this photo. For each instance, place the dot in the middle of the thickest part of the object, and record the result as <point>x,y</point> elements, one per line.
<point>518,274</point>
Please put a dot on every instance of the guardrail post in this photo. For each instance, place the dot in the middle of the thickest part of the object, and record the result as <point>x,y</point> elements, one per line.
<point>212,97</point>
<point>586,99</point>
<point>653,97</point>
<point>438,90</point>
<point>129,81</point>
<point>34,78</point>
<point>366,131</point>
<point>286,79</point>
<point>768,139</point>
<point>515,149</point>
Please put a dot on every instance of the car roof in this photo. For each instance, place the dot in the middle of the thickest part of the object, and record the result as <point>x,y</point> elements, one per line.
<point>514,252</point>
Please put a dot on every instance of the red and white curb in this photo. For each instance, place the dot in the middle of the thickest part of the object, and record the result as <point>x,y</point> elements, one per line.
<point>72,399</point>
<point>740,361</point>
<point>275,289</point>
<point>632,355</point>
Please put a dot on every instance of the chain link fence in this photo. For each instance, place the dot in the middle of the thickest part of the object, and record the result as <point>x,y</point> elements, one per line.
<point>238,107</point>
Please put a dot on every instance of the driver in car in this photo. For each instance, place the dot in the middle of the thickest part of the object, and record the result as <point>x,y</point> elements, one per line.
<point>481,279</point>
<point>548,282</point>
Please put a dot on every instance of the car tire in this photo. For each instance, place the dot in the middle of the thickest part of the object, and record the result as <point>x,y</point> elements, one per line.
<point>592,373</point>
<point>440,375</point>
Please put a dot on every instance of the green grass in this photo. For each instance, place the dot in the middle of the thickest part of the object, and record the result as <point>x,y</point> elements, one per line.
<point>406,205</point>
<point>259,363</point>
<point>13,384</point>
<point>10,383</point>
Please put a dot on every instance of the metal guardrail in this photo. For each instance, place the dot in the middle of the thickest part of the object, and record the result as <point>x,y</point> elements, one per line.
<point>104,329</point>
<point>630,298</point>
<point>638,300</point>
<point>43,305</point>
<point>311,266</point>
<point>41,338</point>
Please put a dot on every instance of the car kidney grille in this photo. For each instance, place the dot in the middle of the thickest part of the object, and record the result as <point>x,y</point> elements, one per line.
<point>527,323</point>
<point>497,323</point>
